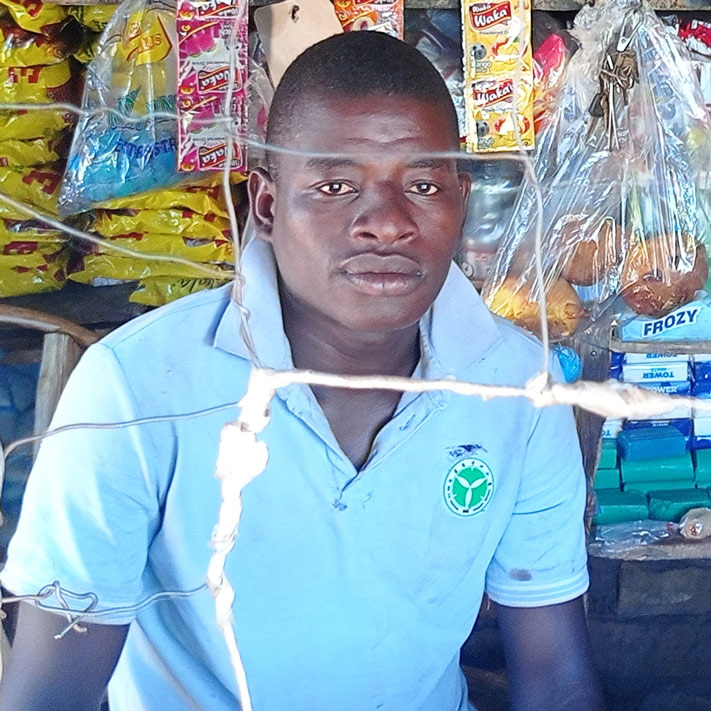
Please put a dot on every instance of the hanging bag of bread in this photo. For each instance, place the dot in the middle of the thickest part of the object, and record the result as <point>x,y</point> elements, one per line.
<point>615,200</point>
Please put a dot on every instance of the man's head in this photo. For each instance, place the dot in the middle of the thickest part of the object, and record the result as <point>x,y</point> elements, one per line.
<point>363,237</point>
<point>354,65</point>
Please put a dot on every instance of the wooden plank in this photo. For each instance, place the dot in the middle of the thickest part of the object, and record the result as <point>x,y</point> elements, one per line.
<point>60,353</point>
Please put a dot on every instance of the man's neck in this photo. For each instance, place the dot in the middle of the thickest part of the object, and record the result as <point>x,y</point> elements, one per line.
<point>324,346</point>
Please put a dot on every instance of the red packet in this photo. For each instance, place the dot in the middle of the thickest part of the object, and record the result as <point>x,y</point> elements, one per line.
<point>380,15</point>
<point>206,30</point>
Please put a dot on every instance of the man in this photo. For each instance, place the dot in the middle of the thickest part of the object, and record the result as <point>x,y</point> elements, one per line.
<point>366,544</point>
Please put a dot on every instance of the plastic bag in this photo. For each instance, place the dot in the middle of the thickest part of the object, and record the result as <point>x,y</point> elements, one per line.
<point>620,194</point>
<point>37,16</point>
<point>134,73</point>
<point>162,290</point>
<point>183,223</point>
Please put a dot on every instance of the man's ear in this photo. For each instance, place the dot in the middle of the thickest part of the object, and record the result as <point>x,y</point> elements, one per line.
<point>465,186</point>
<point>262,191</point>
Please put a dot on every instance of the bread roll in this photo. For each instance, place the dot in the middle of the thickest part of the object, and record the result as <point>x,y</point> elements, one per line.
<point>592,249</point>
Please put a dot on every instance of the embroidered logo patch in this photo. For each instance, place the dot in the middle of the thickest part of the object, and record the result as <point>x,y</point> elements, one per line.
<point>468,487</point>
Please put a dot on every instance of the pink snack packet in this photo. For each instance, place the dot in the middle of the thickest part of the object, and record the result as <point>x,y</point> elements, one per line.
<point>206,30</point>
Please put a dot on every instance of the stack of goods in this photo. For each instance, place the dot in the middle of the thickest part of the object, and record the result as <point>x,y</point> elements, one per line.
<point>35,68</point>
<point>190,223</point>
<point>659,459</point>
<point>498,75</point>
<point>617,202</point>
<point>122,181</point>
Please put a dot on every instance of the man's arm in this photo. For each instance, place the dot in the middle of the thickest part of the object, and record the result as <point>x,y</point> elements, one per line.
<point>69,674</point>
<point>549,658</point>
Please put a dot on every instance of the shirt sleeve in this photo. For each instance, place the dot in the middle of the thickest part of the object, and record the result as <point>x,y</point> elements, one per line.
<point>541,558</point>
<point>92,505</point>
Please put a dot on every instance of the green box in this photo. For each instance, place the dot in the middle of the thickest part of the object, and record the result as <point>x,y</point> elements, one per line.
<point>608,454</point>
<point>646,486</point>
<point>607,479</point>
<point>672,504</point>
<point>703,467</point>
<point>662,469</point>
<point>616,506</point>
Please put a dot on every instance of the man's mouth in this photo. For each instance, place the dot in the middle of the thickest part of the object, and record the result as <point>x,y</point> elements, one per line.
<point>382,275</point>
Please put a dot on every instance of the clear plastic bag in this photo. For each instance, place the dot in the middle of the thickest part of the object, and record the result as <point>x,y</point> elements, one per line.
<point>621,212</point>
<point>134,73</point>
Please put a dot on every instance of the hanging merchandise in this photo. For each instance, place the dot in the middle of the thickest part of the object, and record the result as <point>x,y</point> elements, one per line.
<point>498,75</point>
<point>182,223</point>
<point>36,16</point>
<point>206,200</point>
<point>28,267</point>
<point>36,187</point>
<point>119,152</point>
<point>379,15</point>
<point>620,164</point>
<point>208,33</point>
<point>19,48</point>
<point>162,290</point>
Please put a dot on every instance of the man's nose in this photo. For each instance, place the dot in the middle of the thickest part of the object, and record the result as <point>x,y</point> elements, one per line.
<point>385,215</point>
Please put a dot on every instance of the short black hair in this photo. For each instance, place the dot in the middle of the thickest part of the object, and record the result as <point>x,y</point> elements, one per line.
<point>351,65</point>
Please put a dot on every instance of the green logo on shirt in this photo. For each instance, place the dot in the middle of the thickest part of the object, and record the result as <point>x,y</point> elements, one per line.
<point>468,487</point>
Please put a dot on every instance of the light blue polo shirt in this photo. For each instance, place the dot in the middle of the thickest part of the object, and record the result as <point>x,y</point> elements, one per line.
<point>354,589</point>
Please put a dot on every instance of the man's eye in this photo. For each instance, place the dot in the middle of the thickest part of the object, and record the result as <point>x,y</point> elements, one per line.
<point>425,188</point>
<point>336,188</point>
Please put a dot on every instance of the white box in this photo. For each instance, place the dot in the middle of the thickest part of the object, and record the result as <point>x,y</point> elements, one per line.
<point>702,357</point>
<point>657,372</point>
<point>655,358</point>
<point>702,425</point>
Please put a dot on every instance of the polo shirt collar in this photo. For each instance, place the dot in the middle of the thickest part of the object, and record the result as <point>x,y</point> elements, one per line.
<point>454,334</point>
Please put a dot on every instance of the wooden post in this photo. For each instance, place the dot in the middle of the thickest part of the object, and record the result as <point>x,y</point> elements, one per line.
<point>60,353</point>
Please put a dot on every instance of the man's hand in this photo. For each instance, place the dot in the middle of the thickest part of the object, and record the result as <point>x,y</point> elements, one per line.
<point>549,659</point>
<point>62,675</point>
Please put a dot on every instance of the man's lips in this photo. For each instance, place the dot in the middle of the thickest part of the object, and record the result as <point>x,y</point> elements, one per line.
<point>382,275</point>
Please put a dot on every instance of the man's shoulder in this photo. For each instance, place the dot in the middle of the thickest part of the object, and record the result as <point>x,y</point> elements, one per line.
<point>191,320</point>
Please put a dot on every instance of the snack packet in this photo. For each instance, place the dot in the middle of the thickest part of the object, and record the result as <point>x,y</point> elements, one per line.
<point>86,268</point>
<point>204,200</point>
<point>162,290</point>
<point>207,33</point>
<point>19,48</point>
<point>86,51</point>
<point>201,251</point>
<point>12,231</point>
<point>18,281</point>
<point>172,221</point>
<point>134,73</point>
<point>37,84</point>
<point>498,74</point>
<point>40,151</point>
<point>28,125</point>
<point>37,16</point>
<point>38,187</point>
<point>93,17</point>
<point>381,16</point>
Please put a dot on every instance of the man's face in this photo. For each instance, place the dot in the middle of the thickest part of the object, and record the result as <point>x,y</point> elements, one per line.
<point>365,241</point>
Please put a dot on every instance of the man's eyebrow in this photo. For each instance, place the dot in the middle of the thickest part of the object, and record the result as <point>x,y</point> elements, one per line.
<point>329,163</point>
<point>430,163</point>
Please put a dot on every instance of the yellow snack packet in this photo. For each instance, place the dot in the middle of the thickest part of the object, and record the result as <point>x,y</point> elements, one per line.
<point>27,125</point>
<point>28,231</point>
<point>37,84</point>
<point>39,151</point>
<point>205,200</point>
<point>36,16</point>
<point>18,281</point>
<point>94,17</point>
<point>107,266</point>
<point>162,290</point>
<point>38,187</point>
<point>19,48</point>
<point>196,250</point>
<point>172,221</point>
<point>88,48</point>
